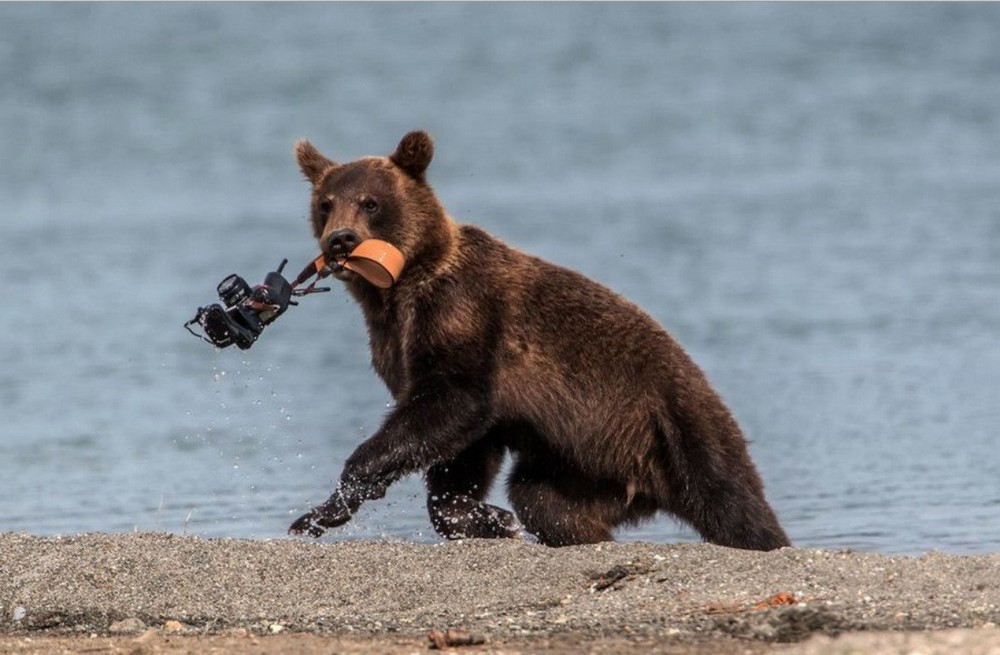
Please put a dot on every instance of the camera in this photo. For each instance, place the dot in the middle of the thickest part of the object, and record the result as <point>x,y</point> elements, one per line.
<point>246,311</point>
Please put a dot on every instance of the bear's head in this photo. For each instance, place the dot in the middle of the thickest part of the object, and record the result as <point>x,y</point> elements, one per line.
<point>385,198</point>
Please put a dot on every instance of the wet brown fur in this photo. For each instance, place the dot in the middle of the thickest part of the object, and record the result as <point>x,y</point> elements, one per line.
<point>489,350</point>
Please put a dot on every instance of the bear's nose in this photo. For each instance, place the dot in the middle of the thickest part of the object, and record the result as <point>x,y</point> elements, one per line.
<point>341,243</point>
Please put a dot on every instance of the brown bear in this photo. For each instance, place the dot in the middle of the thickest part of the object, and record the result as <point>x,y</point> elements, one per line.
<point>488,350</point>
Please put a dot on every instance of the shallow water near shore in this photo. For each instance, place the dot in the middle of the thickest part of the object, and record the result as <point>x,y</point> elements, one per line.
<point>807,197</point>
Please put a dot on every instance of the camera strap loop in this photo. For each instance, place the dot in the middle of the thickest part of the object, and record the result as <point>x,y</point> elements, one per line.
<point>187,326</point>
<point>312,288</point>
<point>317,267</point>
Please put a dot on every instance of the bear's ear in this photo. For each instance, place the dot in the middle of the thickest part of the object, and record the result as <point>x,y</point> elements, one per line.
<point>312,163</point>
<point>414,153</point>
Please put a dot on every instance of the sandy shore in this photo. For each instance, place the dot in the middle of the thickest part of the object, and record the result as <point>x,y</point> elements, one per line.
<point>156,593</point>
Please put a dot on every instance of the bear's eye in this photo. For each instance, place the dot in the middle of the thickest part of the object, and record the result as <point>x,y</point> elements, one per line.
<point>370,205</point>
<point>325,205</point>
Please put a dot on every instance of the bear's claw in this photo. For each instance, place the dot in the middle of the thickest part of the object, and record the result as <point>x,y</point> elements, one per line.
<point>331,514</point>
<point>306,524</point>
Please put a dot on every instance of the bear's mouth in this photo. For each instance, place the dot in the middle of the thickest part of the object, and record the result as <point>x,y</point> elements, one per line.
<point>339,271</point>
<point>377,262</point>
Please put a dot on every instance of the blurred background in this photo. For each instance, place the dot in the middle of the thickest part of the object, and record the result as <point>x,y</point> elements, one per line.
<point>806,196</point>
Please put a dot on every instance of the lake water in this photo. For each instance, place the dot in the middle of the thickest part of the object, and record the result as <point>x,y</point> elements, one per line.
<point>808,196</point>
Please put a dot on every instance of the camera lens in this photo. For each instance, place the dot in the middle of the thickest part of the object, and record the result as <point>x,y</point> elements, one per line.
<point>233,290</point>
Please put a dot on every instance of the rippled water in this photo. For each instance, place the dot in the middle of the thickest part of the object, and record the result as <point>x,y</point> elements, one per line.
<point>809,197</point>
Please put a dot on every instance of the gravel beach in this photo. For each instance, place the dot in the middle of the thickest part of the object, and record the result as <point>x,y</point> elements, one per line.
<point>153,593</point>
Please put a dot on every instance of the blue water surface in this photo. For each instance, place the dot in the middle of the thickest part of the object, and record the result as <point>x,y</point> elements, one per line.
<point>806,196</point>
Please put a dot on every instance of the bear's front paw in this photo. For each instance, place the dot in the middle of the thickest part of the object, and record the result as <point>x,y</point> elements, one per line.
<point>319,519</point>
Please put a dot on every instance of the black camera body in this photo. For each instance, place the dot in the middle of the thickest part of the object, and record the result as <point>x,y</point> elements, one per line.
<point>247,310</point>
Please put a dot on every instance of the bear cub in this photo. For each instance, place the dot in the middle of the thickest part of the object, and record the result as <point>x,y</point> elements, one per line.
<point>488,350</point>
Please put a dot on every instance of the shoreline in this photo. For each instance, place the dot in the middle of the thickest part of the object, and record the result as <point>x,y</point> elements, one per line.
<point>519,597</point>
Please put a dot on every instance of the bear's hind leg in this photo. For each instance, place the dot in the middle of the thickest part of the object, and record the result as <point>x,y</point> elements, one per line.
<point>733,517</point>
<point>718,491</point>
<point>456,489</point>
<point>563,507</point>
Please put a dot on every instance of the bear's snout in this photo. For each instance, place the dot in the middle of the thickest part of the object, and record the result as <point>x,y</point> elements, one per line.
<point>340,243</point>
